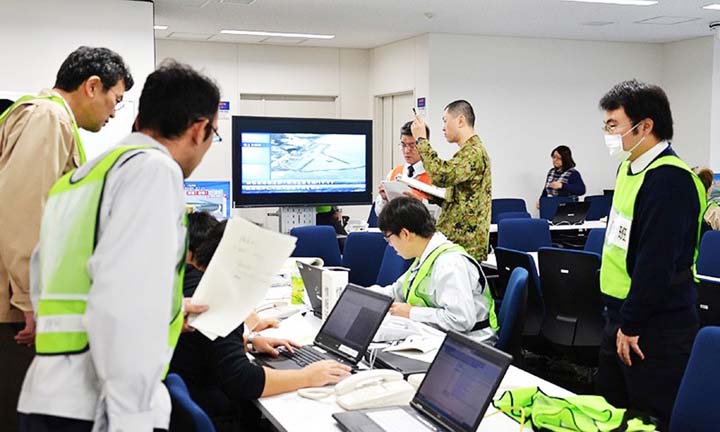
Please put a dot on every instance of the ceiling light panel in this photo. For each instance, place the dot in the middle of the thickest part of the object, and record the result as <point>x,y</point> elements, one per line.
<point>277,34</point>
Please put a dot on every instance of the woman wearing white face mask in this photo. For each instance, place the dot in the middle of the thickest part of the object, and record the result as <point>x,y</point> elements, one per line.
<point>646,275</point>
<point>563,179</point>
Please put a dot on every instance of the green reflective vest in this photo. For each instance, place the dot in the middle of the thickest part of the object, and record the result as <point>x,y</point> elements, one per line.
<point>74,204</point>
<point>585,413</point>
<point>416,293</point>
<point>614,278</point>
<point>61,102</point>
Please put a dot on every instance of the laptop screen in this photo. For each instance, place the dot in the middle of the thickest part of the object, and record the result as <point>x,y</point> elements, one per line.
<point>460,384</point>
<point>354,320</point>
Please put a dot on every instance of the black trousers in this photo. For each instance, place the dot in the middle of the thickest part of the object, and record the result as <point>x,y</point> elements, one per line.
<point>649,385</point>
<point>45,423</point>
<point>14,362</point>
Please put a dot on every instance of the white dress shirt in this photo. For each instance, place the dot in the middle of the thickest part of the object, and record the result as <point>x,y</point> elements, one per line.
<point>456,287</point>
<point>646,158</point>
<point>419,169</point>
<point>140,240</point>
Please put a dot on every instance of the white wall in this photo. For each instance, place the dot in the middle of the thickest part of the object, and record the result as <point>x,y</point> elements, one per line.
<point>274,70</point>
<point>715,112</point>
<point>37,35</point>
<point>687,76</point>
<point>531,95</point>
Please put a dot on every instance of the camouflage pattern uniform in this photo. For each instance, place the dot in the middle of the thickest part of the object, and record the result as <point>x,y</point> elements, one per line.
<point>465,217</point>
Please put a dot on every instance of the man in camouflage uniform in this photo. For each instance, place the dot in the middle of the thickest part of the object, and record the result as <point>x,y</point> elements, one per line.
<point>465,217</point>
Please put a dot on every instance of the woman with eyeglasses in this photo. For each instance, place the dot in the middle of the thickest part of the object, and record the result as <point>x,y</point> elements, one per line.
<point>563,180</point>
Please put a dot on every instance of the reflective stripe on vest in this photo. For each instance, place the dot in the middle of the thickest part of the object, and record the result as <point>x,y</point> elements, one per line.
<point>424,177</point>
<point>614,278</point>
<point>416,293</point>
<point>74,204</point>
<point>573,413</point>
<point>61,102</point>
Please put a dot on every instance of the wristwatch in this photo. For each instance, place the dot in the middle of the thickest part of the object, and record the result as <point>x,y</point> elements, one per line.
<point>251,337</point>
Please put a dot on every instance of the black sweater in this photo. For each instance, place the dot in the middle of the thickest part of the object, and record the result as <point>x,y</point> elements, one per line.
<point>660,254</point>
<point>217,373</point>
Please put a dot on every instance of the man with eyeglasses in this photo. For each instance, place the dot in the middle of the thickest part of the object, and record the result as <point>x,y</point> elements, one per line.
<point>646,276</point>
<point>444,286</point>
<point>413,166</point>
<point>39,142</point>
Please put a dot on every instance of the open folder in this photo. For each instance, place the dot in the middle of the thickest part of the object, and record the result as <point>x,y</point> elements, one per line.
<point>422,187</point>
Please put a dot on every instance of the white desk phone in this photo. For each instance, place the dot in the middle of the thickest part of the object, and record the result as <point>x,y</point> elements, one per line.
<point>367,389</point>
<point>396,328</point>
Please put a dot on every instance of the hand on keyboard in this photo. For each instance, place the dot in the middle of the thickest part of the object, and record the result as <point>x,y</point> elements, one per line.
<point>272,346</point>
<point>324,372</point>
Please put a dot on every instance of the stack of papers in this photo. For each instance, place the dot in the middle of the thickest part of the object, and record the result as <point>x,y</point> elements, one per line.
<point>238,276</point>
<point>423,187</point>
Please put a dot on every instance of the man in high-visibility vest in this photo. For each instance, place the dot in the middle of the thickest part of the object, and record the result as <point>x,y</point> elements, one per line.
<point>646,276</point>
<point>108,271</point>
<point>444,285</point>
<point>39,142</point>
<point>412,168</point>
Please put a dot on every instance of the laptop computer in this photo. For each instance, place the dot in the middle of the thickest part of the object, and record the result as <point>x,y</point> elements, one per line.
<point>454,395</point>
<point>571,213</point>
<point>312,279</point>
<point>345,335</point>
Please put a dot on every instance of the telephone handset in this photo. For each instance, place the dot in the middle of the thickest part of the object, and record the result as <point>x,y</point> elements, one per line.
<point>367,389</point>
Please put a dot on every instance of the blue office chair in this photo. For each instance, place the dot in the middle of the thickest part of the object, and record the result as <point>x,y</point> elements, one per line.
<point>317,241</point>
<point>699,390</point>
<point>512,313</point>
<point>181,399</point>
<point>372,217</point>
<point>548,206</point>
<point>595,240</point>
<point>599,206</point>
<point>507,261</point>
<point>708,261</point>
<point>514,215</point>
<point>363,255</point>
<point>527,235</point>
<point>504,205</point>
<point>392,267</point>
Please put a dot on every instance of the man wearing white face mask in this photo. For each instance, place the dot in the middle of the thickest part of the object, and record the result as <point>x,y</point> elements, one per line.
<point>646,276</point>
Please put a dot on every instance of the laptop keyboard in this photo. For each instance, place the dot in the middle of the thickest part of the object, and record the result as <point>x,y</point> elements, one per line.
<point>302,356</point>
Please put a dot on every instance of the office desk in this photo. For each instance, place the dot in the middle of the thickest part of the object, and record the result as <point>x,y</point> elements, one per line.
<point>291,412</point>
<point>584,226</point>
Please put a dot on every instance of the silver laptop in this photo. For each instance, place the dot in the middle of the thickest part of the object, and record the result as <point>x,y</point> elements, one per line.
<point>454,395</point>
<point>312,279</point>
<point>345,335</point>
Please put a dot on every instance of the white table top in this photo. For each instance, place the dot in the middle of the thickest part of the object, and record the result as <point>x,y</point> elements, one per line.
<point>584,225</point>
<point>491,261</point>
<point>291,412</point>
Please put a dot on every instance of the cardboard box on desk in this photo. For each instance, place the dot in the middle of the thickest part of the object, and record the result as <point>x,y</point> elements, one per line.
<point>334,280</point>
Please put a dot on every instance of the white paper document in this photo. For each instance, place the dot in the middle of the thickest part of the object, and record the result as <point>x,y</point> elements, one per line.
<point>239,275</point>
<point>395,189</point>
<point>296,328</point>
<point>423,187</point>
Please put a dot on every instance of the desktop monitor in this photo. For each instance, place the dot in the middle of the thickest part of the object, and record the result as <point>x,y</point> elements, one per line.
<point>297,161</point>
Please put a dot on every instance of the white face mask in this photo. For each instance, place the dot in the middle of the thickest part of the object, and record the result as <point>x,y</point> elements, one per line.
<point>614,144</point>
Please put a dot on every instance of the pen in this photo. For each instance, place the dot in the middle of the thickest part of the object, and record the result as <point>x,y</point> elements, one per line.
<point>414,111</point>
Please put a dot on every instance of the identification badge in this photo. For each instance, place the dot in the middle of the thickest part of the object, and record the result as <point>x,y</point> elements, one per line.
<point>618,230</point>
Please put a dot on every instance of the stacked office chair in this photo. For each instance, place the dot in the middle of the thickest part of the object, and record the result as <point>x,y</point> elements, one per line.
<point>699,390</point>
<point>372,220</point>
<point>599,206</point>
<point>317,241</point>
<point>527,235</point>
<point>595,240</point>
<point>512,314</point>
<point>507,261</point>
<point>708,290</point>
<point>570,282</point>
<point>548,206</point>
<point>189,409</point>
<point>392,267</point>
<point>504,205</point>
<point>513,215</point>
<point>363,255</point>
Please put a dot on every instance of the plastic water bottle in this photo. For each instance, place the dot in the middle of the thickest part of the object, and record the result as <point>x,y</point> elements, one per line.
<point>297,287</point>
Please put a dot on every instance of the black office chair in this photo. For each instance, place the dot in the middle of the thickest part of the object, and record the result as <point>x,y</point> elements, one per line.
<point>507,261</point>
<point>571,291</point>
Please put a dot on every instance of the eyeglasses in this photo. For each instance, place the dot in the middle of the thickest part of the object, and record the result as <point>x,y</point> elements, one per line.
<point>387,236</point>
<point>119,104</point>
<point>404,146</point>
<point>217,137</point>
<point>610,128</point>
